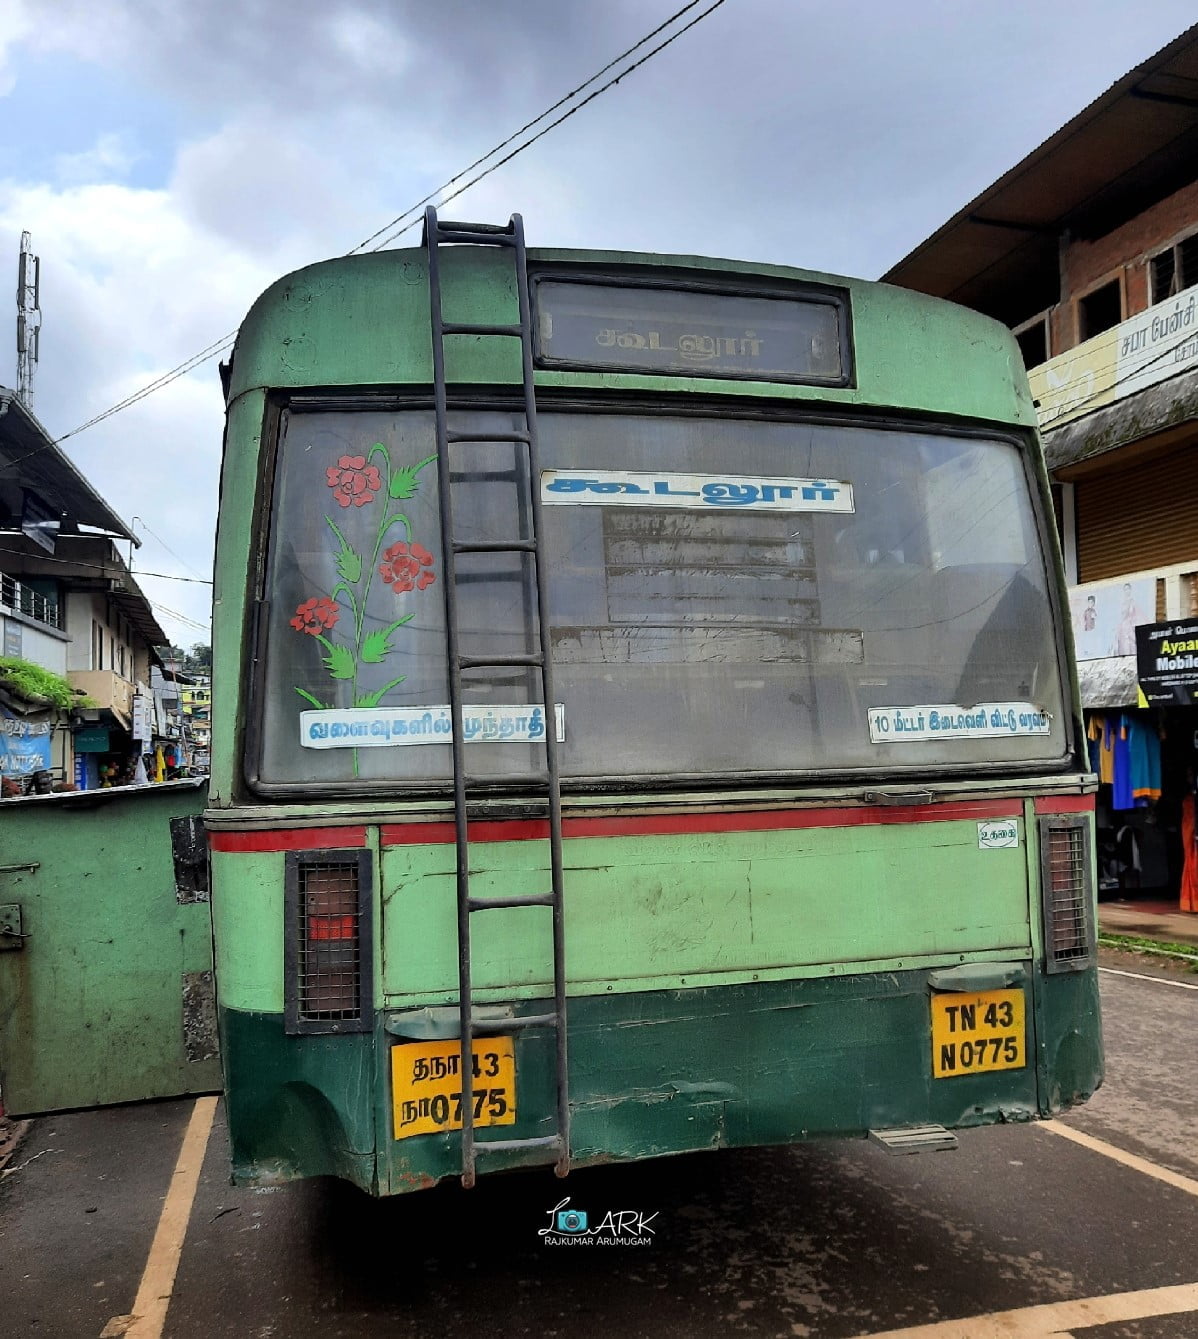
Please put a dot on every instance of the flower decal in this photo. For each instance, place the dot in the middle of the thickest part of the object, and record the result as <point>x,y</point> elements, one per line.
<point>315,615</point>
<point>353,481</point>
<point>350,654</point>
<point>407,567</point>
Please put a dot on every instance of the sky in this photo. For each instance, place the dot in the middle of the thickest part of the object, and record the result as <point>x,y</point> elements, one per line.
<point>171,160</point>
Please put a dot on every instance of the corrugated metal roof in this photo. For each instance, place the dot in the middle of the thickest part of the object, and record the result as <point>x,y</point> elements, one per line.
<point>1134,145</point>
<point>29,458</point>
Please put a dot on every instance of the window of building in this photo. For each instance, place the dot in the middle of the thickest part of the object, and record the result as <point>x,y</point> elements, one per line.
<point>1032,339</point>
<point>97,646</point>
<point>1174,268</point>
<point>1099,311</point>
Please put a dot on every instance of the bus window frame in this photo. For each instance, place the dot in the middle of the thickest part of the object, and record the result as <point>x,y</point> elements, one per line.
<point>576,400</point>
<point>811,293</point>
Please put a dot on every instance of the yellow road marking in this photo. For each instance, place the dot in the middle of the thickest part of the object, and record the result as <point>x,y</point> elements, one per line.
<point>158,1277</point>
<point>1056,1319</point>
<point>1175,1179</point>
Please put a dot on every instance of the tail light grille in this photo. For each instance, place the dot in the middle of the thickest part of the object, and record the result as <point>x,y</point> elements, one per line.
<point>1067,889</point>
<point>328,947</point>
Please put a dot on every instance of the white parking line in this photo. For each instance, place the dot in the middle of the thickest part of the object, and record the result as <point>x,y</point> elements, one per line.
<point>158,1278</point>
<point>1116,1154</point>
<point>1140,976</point>
<point>1056,1319</point>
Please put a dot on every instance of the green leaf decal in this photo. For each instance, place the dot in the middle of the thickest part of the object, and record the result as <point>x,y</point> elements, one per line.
<point>349,565</point>
<point>403,481</point>
<point>376,647</point>
<point>340,662</point>
<point>373,699</point>
<point>349,562</point>
<point>316,702</point>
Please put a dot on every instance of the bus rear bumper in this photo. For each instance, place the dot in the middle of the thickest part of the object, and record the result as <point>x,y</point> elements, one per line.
<point>660,1072</point>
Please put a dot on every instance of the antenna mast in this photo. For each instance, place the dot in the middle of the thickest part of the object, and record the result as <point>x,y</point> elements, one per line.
<point>29,319</point>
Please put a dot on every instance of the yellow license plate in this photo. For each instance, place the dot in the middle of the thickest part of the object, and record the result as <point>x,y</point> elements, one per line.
<point>426,1085</point>
<point>972,1034</point>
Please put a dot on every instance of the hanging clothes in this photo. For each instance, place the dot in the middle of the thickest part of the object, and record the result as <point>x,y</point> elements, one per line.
<point>1189,847</point>
<point>1122,796</point>
<point>1102,733</point>
<point>1144,755</point>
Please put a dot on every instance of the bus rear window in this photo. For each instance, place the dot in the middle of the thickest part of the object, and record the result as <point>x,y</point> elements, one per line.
<point>728,598</point>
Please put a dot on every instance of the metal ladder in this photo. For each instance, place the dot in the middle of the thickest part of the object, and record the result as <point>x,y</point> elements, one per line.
<point>537,660</point>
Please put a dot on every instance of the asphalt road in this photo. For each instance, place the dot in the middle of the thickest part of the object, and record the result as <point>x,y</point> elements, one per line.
<point>828,1240</point>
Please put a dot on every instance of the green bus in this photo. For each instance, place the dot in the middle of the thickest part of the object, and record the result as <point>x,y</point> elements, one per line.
<point>644,719</point>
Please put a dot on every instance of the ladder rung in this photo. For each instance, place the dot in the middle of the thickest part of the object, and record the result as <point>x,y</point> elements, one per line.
<point>470,328</point>
<point>478,233</point>
<point>536,900</point>
<point>482,662</point>
<point>504,1024</point>
<point>485,437</point>
<point>506,778</point>
<point>444,225</point>
<point>514,1145</point>
<point>495,546</point>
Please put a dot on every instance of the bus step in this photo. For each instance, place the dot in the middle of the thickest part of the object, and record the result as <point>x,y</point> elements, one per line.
<point>528,900</point>
<point>483,1024</point>
<point>915,1139</point>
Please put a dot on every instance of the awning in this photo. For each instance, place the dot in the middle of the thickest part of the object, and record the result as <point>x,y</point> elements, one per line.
<point>1108,682</point>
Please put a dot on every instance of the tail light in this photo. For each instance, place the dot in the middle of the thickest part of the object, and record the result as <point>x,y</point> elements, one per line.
<point>1067,891</point>
<point>327,956</point>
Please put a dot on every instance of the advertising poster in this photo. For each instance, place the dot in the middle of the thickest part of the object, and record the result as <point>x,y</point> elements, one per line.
<point>1105,616</point>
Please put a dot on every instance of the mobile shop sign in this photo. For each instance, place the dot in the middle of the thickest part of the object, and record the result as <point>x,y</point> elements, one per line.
<point>754,492</point>
<point>1167,663</point>
<point>989,720</point>
<point>386,727</point>
<point>24,746</point>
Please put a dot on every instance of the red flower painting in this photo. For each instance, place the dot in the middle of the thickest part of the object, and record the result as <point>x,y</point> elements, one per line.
<point>315,615</point>
<point>353,481</point>
<point>407,567</point>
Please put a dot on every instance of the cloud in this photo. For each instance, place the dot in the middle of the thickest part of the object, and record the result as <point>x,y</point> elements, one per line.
<point>830,138</point>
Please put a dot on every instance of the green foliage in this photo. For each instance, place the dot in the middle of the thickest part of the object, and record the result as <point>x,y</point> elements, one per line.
<point>26,680</point>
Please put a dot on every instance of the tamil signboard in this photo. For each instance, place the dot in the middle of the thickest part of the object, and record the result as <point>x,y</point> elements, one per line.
<point>1147,348</point>
<point>1167,663</point>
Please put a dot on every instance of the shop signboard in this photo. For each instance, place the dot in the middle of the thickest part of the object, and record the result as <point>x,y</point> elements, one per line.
<point>1167,663</point>
<point>24,746</point>
<point>92,739</point>
<point>13,639</point>
<point>142,728</point>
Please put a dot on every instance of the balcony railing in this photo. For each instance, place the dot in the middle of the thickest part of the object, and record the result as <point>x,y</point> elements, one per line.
<point>20,599</point>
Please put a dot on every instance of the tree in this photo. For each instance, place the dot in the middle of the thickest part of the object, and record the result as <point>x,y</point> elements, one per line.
<point>200,658</point>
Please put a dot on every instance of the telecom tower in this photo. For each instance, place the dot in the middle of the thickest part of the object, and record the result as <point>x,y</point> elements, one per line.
<point>29,319</point>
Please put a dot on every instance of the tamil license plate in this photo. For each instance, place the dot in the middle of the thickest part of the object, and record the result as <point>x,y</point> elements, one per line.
<point>972,1034</point>
<point>426,1085</point>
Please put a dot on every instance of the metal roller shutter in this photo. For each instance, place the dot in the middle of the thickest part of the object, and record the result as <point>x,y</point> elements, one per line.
<point>1139,518</point>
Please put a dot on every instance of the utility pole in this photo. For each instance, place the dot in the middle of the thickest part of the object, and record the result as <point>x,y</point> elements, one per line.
<point>29,319</point>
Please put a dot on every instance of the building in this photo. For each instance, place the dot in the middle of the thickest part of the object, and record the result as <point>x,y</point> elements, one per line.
<point>69,607</point>
<point>1088,250</point>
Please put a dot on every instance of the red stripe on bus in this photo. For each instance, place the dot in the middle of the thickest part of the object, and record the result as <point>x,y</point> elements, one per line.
<point>1065,804</point>
<point>288,839</point>
<point>417,834</point>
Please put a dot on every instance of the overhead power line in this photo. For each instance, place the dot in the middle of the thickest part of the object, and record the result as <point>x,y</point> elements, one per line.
<point>397,225</point>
